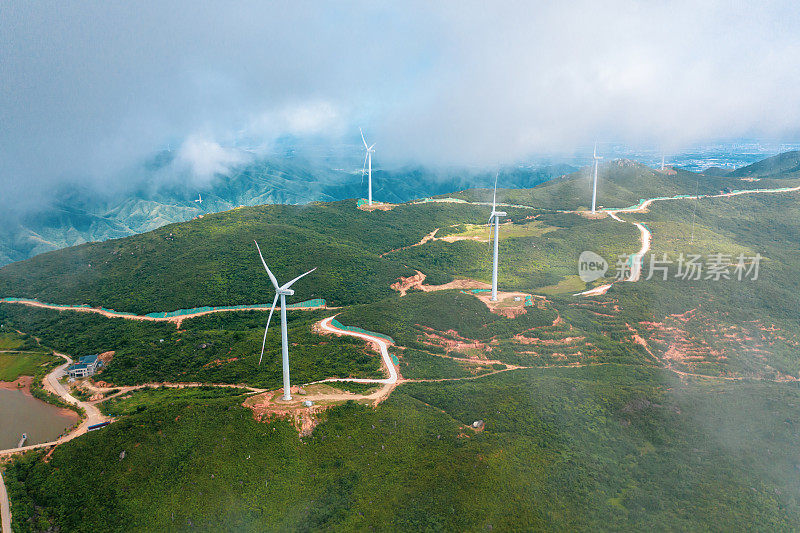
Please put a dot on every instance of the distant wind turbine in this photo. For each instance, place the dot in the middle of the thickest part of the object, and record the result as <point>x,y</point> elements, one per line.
<point>367,163</point>
<point>662,162</point>
<point>594,187</point>
<point>199,199</point>
<point>495,217</point>
<point>283,291</point>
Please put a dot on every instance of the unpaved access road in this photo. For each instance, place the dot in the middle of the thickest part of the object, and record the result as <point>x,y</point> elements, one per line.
<point>646,236</point>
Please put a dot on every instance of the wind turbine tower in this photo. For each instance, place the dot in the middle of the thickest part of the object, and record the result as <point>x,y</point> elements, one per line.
<point>283,291</point>
<point>662,162</point>
<point>594,187</point>
<point>368,164</point>
<point>495,217</point>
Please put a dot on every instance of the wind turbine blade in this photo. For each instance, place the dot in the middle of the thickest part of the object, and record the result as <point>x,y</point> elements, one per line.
<point>264,342</point>
<point>271,276</point>
<point>363,139</point>
<point>371,147</point>
<point>364,168</point>
<point>494,198</point>
<point>298,277</point>
<point>594,154</point>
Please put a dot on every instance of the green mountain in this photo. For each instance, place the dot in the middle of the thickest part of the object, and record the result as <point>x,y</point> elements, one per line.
<point>80,215</point>
<point>782,165</point>
<point>661,404</point>
<point>624,182</point>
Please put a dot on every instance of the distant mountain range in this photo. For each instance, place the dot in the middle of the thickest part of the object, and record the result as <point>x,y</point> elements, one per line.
<point>82,215</point>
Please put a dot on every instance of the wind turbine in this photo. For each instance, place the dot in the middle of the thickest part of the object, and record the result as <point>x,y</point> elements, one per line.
<point>495,217</point>
<point>367,161</point>
<point>662,161</point>
<point>597,159</point>
<point>283,291</point>
<point>199,199</point>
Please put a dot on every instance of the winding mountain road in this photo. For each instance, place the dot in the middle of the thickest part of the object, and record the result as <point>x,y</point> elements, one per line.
<point>382,344</point>
<point>646,236</point>
<point>177,320</point>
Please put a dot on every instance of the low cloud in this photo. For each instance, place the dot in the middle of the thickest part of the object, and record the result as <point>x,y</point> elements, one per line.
<point>203,159</point>
<point>92,91</point>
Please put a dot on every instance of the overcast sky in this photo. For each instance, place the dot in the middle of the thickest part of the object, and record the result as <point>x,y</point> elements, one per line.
<point>89,89</point>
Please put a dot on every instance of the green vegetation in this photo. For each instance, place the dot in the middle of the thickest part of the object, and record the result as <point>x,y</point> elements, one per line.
<point>20,355</point>
<point>603,448</point>
<point>624,183</point>
<point>13,366</point>
<point>213,261</point>
<point>143,399</point>
<point>597,434</point>
<point>220,348</point>
<point>781,166</point>
<point>535,254</point>
<point>422,364</point>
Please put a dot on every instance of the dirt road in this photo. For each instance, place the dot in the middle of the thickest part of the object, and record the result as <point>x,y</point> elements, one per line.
<point>382,344</point>
<point>5,510</point>
<point>646,236</point>
<point>174,319</point>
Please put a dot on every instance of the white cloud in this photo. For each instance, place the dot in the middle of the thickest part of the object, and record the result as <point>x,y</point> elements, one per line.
<point>205,158</point>
<point>99,88</point>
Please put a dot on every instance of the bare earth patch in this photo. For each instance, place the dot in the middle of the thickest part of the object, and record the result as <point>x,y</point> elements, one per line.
<point>376,206</point>
<point>509,304</point>
<point>270,405</point>
<point>22,382</point>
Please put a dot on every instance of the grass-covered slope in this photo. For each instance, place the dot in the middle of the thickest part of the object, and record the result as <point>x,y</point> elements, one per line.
<point>605,448</point>
<point>660,405</point>
<point>782,165</point>
<point>211,349</point>
<point>213,261</point>
<point>535,255</point>
<point>622,183</point>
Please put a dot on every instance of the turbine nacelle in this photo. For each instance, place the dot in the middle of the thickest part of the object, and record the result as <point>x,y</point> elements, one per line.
<point>285,292</point>
<point>496,215</point>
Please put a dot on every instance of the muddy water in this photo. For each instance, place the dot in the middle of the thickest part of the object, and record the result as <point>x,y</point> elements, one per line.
<point>22,413</point>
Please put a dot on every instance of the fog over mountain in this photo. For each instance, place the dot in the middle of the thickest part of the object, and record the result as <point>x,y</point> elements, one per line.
<point>92,91</point>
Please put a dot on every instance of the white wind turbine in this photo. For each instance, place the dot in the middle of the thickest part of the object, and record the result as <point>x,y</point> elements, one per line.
<point>597,159</point>
<point>283,291</point>
<point>367,161</point>
<point>495,217</point>
<point>199,199</point>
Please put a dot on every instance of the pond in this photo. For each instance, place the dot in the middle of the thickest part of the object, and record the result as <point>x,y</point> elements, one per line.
<point>22,413</point>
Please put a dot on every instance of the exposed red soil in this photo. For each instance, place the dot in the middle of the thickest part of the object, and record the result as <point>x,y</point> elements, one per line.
<point>506,305</point>
<point>406,284</point>
<point>21,383</point>
<point>220,362</point>
<point>376,206</point>
<point>266,407</point>
<point>694,338</point>
<point>548,342</point>
<point>457,344</point>
<point>427,238</point>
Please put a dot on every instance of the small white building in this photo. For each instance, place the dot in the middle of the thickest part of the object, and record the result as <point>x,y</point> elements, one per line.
<point>86,366</point>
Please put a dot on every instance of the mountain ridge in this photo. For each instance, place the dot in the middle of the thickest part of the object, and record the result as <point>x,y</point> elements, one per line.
<point>82,216</point>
